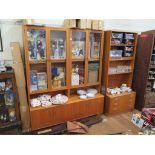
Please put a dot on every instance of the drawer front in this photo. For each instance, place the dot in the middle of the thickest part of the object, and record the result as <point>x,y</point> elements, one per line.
<point>114,105</point>
<point>115,101</point>
<point>128,103</point>
<point>119,104</point>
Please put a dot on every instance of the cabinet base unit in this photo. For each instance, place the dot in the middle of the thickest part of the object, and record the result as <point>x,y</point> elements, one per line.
<point>116,104</point>
<point>75,108</point>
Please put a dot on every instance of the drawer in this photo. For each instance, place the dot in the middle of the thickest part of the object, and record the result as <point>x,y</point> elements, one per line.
<point>114,110</point>
<point>114,101</point>
<point>132,96</point>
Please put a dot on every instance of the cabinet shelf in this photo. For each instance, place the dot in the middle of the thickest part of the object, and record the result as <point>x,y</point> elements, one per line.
<point>37,61</point>
<point>39,91</point>
<point>58,60</point>
<point>94,59</point>
<point>121,59</point>
<point>87,85</point>
<point>57,89</point>
<point>117,95</point>
<point>72,99</point>
<point>47,91</point>
<point>78,60</point>
<point>120,73</point>
<point>121,45</point>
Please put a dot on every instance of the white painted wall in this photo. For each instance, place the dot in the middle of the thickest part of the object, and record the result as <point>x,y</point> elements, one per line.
<point>12,30</point>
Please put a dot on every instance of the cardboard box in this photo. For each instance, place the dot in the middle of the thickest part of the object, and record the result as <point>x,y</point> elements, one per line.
<point>137,120</point>
<point>95,24</point>
<point>18,64</point>
<point>100,25</point>
<point>81,23</point>
<point>93,76</point>
<point>70,23</point>
<point>20,80</point>
<point>88,23</point>
<point>28,22</point>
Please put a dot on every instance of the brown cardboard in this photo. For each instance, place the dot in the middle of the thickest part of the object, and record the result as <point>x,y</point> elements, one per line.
<point>95,24</point>
<point>28,21</point>
<point>19,74</point>
<point>15,49</point>
<point>93,76</point>
<point>100,25</point>
<point>24,109</point>
<point>88,23</point>
<point>70,23</point>
<point>82,23</point>
<point>66,23</point>
<point>20,80</point>
<point>18,64</point>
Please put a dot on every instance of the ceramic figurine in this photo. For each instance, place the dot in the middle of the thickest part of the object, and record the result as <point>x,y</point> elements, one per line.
<point>40,49</point>
<point>61,49</point>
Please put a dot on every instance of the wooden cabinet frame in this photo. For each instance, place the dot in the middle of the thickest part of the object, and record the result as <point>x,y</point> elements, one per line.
<point>115,79</point>
<point>72,99</point>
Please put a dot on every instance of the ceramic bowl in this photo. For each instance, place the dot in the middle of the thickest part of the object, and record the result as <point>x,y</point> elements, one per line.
<point>83,97</point>
<point>92,91</point>
<point>81,92</point>
<point>90,95</point>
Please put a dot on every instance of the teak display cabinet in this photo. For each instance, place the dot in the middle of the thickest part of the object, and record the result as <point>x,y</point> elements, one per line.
<point>119,53</point>
<point>68,51</point>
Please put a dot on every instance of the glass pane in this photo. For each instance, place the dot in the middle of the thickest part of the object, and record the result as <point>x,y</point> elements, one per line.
<point>58,45</point>
<point>7,107</point>
<point>58,75</point>
<point>93,72</point>
<point>77,73</point>
<point>94,45</point>
<point>78,44</point>
<point>36,44</point>
<point>38,76</point>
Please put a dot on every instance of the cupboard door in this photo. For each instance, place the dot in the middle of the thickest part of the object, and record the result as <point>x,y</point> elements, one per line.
<point>40,118</point>
<point>96,106</point>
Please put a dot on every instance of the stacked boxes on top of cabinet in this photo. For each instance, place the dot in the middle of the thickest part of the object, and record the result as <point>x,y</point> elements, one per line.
<point>84,24</point>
